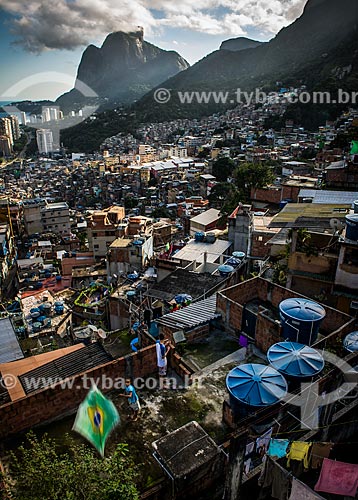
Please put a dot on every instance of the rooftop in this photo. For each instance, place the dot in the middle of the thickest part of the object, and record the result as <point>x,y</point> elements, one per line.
<point>17,368</point>
<point>324,196</point>
<point>195,250</point>
<point>183,281</point>
<point>66,366</point>
<point>186,449</point>
<point>206,217</point>
<point>309,215</point>
<point>193,315</point>
<point>121,243</point>
<point>10,349</point>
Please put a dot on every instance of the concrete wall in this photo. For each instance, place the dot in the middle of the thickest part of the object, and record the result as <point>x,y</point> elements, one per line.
<point>118,313</point>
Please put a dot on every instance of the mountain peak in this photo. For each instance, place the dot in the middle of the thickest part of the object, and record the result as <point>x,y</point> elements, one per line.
<point>240,43</point>
<point>125,67</point>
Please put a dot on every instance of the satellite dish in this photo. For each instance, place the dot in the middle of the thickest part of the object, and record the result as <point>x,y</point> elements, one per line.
<point>336,224</point>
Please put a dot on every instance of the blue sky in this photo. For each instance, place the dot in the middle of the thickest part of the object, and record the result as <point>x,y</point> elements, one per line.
<point>37,38</point>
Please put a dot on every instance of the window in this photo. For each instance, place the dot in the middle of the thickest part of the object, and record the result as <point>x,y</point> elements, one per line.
<point>96,247</point>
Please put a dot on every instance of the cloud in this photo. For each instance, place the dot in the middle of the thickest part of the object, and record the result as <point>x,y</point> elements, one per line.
<point>39,25</point>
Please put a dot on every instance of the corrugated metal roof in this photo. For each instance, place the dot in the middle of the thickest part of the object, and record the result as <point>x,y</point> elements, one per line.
<point>196,314</point>
<point>325,196</point>
<point>10,349</point>
<point>64,367</point>
<point>309,215</point>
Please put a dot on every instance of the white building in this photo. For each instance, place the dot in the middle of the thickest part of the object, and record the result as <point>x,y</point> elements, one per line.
<point>44,139</point>
<point>178,151</point>
<point>51,113</point>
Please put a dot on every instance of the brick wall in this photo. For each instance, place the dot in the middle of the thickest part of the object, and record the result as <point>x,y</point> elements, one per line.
<point>267,332</point>
<point>259,248</point>
<point>54,402</point>
<point>266,195</point>
<point>230,303</point>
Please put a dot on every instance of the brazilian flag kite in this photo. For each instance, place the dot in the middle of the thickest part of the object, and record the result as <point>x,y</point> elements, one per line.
<point>354,150</point>
<point>96,418</point>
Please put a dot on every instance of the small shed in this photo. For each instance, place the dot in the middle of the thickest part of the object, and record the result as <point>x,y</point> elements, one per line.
<point>188,455</point>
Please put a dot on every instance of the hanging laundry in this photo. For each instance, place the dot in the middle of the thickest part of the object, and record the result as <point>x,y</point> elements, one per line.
<point>299,451</point>
<point>275,481</point>
<point>280,482</point>
<point>278,448</point>
<point>262,443</point>
<point>338,478</point>
<point>249,449</point>
<point>319,452</point>
<point>301,491</point>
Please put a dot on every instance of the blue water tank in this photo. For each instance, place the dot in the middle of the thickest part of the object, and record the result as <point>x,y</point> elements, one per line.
<point>232,261</point>
<point>199,236</point>
<point>350,342</point>
<point>352,227</point>
<point>295,360</point>
<point>210,237</point>
<point>300,320</point>
<point>254,385</point>
<point>225,270</point>
<point>283,203</point>
<point>239,255</point>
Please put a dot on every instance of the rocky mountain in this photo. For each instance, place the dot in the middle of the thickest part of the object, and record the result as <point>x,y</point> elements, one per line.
<point>306,43</point>
<point>123,69</point>
<point>237,44</point>
<point>320,50</point>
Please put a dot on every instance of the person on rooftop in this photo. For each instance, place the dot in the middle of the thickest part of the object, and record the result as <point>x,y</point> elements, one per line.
<point>163,349</point>
<point>133,399</point>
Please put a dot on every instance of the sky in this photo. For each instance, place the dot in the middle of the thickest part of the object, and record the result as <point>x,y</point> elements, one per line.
<point>41,42</point>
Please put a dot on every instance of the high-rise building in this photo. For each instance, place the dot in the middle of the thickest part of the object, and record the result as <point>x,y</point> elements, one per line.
<point>5,145</point>
<point>6,129</point>
<point>15,127</point>
<point>51,113</point>
<point>44,139</point>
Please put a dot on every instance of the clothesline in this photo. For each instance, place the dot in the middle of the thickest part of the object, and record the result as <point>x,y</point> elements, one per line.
<point>318,428</point>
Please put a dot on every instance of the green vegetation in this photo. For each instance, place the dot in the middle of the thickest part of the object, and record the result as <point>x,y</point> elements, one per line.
<point>223,168</point>
<point>226,196</point>
<point>42,471</point>
<point>20,143</point>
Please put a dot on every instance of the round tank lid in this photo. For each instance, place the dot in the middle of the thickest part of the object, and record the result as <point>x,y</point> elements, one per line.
<point>256,385</point>
<point>353,218</point>
<point>302,309</point>
<point>239,255</point>
<point>350,342</point>
<point>294,359</point>
<point>225,268</point>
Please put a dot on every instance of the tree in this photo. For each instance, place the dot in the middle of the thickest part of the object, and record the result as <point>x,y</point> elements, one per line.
<point>42,471</point>
<point>225,197</point>
<point>253,175</point>
<point>223,168</point>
